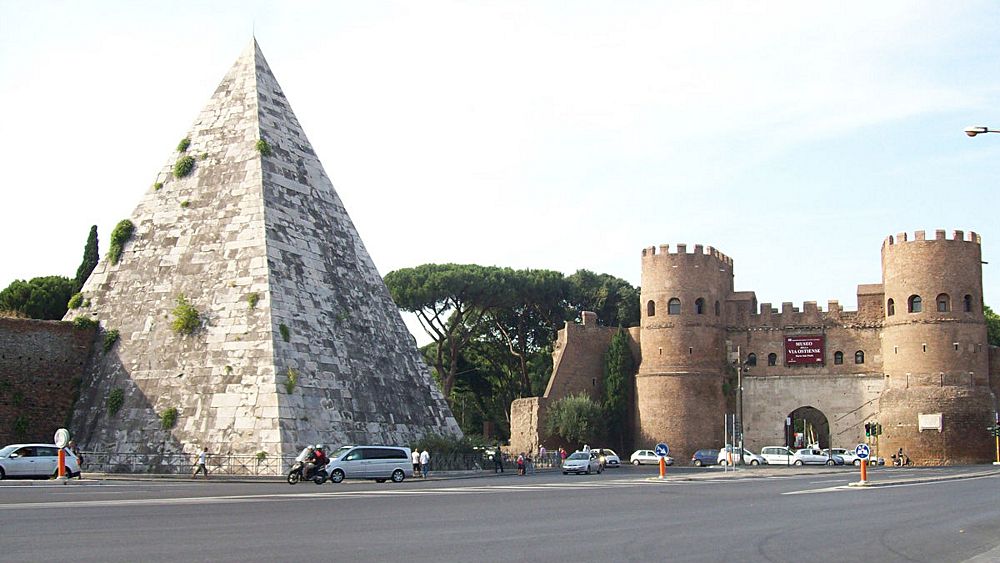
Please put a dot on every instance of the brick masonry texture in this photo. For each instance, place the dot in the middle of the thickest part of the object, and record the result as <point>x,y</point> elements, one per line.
<point>41,366</point>
<point>244,223</point>
<point>927,362</point>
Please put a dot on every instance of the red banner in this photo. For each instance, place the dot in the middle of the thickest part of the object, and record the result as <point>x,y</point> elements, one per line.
<point>803,350</point>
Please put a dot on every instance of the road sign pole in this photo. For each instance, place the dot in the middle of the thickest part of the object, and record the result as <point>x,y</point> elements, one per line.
<point>62,463</point>
<point>663,467</point>
<point>864,471</point>
<point>997,462</point>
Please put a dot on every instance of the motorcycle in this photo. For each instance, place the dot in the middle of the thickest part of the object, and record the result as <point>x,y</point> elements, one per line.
<point>318,474</point>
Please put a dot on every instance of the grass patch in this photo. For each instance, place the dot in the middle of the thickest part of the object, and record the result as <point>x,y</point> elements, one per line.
<point>185,204</point>
<point>263,148</point>
<point>186,317</point>
<point>252,299</point>
<point>285,333</point>
<point>168,418</point>
<point>116,398</point>
<point>291,380</point>
<point>157,186</point>
<point>75,301</point>
<point>85,322</point>
<point>110,337</point>
<point>183,166</point>
<point>184,144</point>
<point>122,234</point>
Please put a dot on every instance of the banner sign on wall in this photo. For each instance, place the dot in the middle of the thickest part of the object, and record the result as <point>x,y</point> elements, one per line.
<point>803,350</point>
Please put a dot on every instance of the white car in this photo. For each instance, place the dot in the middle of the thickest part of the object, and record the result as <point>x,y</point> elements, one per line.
<point>608,458</point>
<point>776,455</point>
<point>35,460</point>
<point>581,462</point>
<point>749,458</point>
<point>640,457</point>
<point>813,456</point>
<point>848,455</point>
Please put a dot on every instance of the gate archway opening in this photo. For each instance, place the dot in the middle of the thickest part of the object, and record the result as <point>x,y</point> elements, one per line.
<point>808,426</point>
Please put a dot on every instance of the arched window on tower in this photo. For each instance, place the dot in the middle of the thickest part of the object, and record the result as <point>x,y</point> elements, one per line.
<point>890,307</point>
<point>772,359</point>
<point>859,357</point>
<point>751,359</point>
<point>674,306</point>
<point>838,358</point>
<point>914,304</point>
<point>651,308</point>
<point>718,309</point>
<point>699,306</point>
<point>943,303</point>
<point>967,304</point>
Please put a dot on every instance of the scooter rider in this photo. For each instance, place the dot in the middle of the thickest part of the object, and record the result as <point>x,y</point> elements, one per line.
<point>319,457</point>
<point>306,457</point>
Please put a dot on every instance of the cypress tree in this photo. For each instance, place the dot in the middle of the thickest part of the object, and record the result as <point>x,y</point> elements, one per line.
<point>619,369</point>
<point>90,258</point>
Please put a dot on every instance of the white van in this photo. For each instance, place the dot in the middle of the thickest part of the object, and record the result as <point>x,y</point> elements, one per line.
<point>380,463</point>
<point>776,455</point>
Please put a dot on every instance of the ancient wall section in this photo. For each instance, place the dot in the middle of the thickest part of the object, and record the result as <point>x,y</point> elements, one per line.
<point>847,401</point>
<point>41,366</point>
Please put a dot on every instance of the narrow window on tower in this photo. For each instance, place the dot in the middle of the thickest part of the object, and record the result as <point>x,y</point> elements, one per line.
<point>838,358</point>
<point>859,357</point>
<point>914,304</point>
<point>890,308</point>
<point>967,305</point>
<point>651,308</point>
<point>943,303</point>
<point>718,309</point>
<point>772,359</point>
<point>751,359</point>
<point>674,306</point>
<point>699,306</point>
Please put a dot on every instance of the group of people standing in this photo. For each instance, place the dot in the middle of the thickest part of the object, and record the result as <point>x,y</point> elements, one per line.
<point>421,462</point>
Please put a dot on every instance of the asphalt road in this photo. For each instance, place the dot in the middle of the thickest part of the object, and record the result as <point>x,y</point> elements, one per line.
<point>625,514</point>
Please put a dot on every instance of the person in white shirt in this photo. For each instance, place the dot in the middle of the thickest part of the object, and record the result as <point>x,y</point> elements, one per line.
<point>202,460</point>
<point>425,463</point>
<point>415,458</point>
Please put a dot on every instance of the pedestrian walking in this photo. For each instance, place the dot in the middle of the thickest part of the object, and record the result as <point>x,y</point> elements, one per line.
<point>520,464</point>
<point>201,466</point>
<point>425,463</point>
<point>415,459</point>
<point>562,454</point>
<point>498,460</point>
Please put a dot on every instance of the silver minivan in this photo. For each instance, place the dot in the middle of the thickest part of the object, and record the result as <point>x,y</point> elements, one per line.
<point>380,463</point>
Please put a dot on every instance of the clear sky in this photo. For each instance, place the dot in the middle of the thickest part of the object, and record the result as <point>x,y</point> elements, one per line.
<point>792,136</point>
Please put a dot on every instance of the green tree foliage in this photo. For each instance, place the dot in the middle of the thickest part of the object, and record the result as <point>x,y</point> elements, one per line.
<point>576,419</point>
<point>450,301</point>
<point>90,258</point>
<point>619,370</point>
<point>40,298</point>
<point>992,326</point>
<point>614,300</point>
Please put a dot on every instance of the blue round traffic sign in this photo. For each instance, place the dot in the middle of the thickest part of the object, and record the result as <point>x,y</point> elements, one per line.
<point>862,451</point>
<point>661,449</point>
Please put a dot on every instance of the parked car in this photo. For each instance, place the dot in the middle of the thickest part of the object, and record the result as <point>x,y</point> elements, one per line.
<point>776,455</point>
<point>379,463</point>
<point>705,457</point>
<point>608,458</point>
<point>749,458</point>
<point>582,462</point>
<point>813,456</point>
<point>640,457</point>
<point>848,455</point>
<point>35,460</point>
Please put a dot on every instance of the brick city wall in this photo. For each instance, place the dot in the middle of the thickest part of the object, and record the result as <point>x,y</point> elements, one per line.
<point>41,366</point>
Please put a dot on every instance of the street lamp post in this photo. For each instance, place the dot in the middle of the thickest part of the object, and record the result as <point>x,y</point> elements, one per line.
<point>740,367</point>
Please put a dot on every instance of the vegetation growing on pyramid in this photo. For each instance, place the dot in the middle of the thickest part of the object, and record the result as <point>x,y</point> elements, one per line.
<point>252,299</point>
<point>75,301</point>
<point>263,148</point>
<point>183,166</point>
<point>203,156</point>
<point>184,144</point>
<point>291,380</point>
<point>168,418</point>
<point>123,233</point>
<point>116,398</point>
<point>110,337</point>
<point>185,204</point>
<point>85,322</point>
<point>157,186</point>
<point>285,333</point>
<point>186,317</point>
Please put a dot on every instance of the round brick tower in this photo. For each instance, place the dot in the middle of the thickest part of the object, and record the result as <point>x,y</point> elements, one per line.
<point>934,350</point>
<point>678,389</point>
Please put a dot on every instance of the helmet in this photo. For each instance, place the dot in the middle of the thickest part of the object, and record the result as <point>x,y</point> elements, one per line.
<point>319,446</point>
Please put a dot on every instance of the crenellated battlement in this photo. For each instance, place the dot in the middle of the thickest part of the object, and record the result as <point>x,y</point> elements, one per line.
<point>664,250</point>
<point>939,234</point>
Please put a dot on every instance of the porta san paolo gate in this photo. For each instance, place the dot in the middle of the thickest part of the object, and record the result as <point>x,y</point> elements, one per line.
<point>913,357</point>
